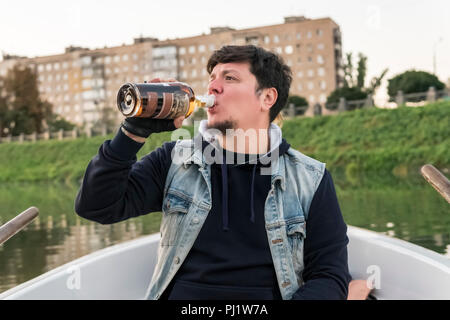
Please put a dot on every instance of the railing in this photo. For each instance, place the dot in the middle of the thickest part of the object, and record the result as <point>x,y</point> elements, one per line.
<point>429,96</point>
<point>57,135</point>
<point>343,104</point>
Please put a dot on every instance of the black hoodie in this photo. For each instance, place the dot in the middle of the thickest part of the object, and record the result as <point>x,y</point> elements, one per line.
<point>230,258</point>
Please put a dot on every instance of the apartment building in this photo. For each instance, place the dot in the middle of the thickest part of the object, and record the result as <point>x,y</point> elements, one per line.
<point>82,84</point>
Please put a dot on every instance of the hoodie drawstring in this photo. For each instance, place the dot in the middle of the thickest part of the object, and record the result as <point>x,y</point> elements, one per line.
<point>224,196</point>
<point>252,210</point>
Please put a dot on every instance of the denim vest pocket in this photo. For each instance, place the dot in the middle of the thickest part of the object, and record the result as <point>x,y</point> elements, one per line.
<point>296,233</point>
<point>175,207</point>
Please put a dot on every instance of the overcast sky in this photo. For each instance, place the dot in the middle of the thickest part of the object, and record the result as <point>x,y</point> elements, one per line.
<point>396,34</point>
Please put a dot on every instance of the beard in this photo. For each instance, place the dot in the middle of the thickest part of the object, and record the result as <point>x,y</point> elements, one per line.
<point>223,126</point>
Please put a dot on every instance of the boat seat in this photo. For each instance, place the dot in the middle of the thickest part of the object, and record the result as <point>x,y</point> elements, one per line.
<point>358,290</point>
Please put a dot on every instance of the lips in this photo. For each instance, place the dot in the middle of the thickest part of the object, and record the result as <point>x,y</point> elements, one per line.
<point>213,108</point>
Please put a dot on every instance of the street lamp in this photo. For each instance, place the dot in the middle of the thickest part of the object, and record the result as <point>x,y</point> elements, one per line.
<point>434,54</point>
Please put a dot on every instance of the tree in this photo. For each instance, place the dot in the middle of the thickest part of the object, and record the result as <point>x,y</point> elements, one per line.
<point>25,111</point>
<point>56,123</point>
<point>413,81</point>
<point>4,116</point>
<point>300,103</point>
<point>354,82</point>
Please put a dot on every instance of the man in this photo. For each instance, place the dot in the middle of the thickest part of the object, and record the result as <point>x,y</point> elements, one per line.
<point>245,219</point>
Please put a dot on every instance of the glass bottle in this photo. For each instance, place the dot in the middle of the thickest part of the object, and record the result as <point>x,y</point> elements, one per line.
<point>160,100</point>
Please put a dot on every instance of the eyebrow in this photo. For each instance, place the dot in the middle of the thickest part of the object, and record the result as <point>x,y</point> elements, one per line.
<point>225,72</point>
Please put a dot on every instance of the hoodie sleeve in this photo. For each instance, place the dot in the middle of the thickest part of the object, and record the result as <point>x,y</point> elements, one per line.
<point>116,186</point>
<point>326,274</point>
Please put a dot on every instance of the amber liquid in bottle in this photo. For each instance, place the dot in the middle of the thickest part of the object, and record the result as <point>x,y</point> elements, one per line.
<point>164,100</point>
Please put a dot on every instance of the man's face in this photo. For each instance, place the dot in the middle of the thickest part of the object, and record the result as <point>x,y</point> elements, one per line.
<point>237,104</point>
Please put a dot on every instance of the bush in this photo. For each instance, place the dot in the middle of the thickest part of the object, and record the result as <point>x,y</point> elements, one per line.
<point>299,102</point>
<point>349,94</point>
<point>413,82</point>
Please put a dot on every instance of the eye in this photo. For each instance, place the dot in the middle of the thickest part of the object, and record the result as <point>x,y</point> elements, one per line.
<point>230,78</point>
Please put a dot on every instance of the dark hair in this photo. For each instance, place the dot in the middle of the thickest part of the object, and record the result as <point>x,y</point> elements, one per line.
<point>268,68</point>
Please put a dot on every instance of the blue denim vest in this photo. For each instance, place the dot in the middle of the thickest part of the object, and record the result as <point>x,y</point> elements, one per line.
<point>187,201</point>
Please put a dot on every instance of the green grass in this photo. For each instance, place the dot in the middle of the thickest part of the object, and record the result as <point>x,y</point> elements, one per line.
<point>369,140</point>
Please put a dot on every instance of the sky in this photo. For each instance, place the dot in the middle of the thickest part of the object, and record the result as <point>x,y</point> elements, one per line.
<point>396,34</point>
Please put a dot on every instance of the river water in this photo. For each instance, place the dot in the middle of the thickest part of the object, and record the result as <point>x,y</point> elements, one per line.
<point>407,208</point>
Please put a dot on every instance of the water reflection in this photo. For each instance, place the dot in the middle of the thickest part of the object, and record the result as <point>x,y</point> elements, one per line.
<point>407,208</point>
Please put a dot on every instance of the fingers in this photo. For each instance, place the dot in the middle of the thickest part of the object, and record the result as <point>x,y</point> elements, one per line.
<point>178,122</point>
<point>157,80</point>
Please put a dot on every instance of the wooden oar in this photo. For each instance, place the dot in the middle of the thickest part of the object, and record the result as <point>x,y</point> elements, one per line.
<point>18,223</point>
<point>437,180</point>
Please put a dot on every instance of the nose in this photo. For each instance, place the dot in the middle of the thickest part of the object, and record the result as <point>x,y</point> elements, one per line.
<point>215,87</point>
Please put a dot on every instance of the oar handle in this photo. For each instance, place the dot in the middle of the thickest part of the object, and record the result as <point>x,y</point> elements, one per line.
<point>437,180</point>
<point>18,223</point>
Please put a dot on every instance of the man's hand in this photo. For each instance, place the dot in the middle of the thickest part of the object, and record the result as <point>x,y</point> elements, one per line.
<point>139,129</point>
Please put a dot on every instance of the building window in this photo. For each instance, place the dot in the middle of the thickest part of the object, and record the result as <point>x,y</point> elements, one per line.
<point>323,85</point>
<point>309,59</point>
<point>56,66</point>
<point>116,59</point>
<point>48,67</point>
<point>323,98</point>
<point>125,57</point>
<point>310,85</point>
<point>309,34</point>
<point>299,87</point>
<point>312,99</point>
<point>276,39</point>
<point>320,46</point>
<point>319,32</point>
<point>321,72</point>
<point>310,73</point>
<point>41,68</point>
<point>288,49</point>
<point>191,49</point>
<point>300,74</point>
<point>320,59</point>
<point>107,60</point>
<point>201,48</point>
<point>266,39</point>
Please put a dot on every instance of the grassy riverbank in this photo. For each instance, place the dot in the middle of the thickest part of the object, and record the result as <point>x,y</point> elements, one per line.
<point>370,140</point>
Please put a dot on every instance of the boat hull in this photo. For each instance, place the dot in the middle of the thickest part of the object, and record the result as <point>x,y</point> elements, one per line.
<point>397,270</point>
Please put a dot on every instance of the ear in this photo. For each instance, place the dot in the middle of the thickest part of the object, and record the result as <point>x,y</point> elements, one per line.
<point>268,98</point>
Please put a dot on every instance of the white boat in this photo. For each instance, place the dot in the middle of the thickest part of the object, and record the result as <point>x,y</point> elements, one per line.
<point>397,270</point>
<point>393,268</point>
